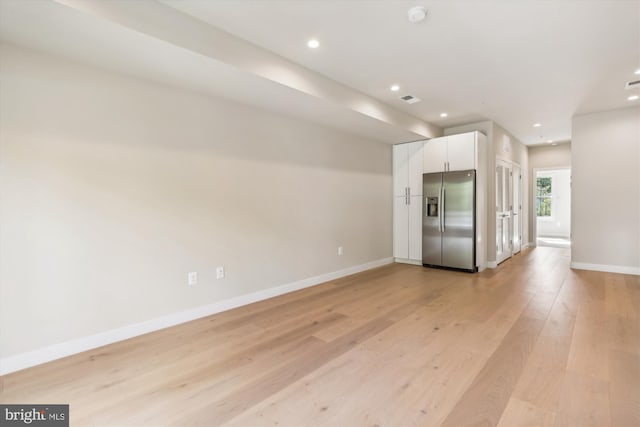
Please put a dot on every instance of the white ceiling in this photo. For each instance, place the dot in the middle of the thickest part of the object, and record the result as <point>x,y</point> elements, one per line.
<point>514,62</point>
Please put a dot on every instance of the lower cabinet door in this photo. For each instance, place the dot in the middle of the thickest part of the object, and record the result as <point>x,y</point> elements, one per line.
<point>400,228</point>
<point>415,228</point>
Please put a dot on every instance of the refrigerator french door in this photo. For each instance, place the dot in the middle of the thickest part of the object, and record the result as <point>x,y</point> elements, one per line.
<point>448,220</point>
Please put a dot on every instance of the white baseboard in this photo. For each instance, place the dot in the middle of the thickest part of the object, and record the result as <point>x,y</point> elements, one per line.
<point>46,354</point>
<point>529,245</point>
<point>606,268</point>
<point>492,264</point>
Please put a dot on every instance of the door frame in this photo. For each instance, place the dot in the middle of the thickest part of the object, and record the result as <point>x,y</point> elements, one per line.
<point>533,216</point>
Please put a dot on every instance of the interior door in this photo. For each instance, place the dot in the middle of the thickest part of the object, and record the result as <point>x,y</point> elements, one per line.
<point>503,211</point>
<point>516,210</point>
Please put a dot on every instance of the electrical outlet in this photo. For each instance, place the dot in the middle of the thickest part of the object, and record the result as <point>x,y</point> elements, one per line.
<point>340,251</point>
<point>220,273</point>
<point>192,278</point>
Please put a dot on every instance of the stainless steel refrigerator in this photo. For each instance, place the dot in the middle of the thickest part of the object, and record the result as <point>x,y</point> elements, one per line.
<point>449,220</point>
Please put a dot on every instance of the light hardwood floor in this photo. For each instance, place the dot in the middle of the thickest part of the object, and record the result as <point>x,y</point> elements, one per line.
<point>531,343</point>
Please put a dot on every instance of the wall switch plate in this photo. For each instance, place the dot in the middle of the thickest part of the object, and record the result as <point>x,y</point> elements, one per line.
<point>220,273</point>
<point>192,278</point>
<point>340,251</point>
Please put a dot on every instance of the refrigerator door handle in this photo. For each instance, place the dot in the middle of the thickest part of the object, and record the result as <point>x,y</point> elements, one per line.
<point>443,207</point>
<point>440,211</point>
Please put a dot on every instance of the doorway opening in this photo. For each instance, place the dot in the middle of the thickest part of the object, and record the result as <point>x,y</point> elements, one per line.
<point>552,207</point>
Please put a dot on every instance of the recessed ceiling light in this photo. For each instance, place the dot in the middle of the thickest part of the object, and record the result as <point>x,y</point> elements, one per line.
<point>443,115</point>
<point>537,125</point>
<point>416,14</point>
<point>637,72</point>
<point>313,43</point>
<point>549,141</point>
<point>633,97</point>
<point>394,88</point>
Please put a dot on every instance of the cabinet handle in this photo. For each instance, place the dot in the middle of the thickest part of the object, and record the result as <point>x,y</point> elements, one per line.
<point>445,166</point>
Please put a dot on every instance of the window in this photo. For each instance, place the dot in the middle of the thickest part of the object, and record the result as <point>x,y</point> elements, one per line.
<point>544,196</point>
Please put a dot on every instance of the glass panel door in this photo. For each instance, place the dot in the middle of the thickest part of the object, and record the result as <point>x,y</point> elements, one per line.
<point>516,210</point>
<point>503,210</point>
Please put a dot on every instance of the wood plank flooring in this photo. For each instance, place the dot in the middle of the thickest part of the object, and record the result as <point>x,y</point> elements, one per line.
<point>531,343</point>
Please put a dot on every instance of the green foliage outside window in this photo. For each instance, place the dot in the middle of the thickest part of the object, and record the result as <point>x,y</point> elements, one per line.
<point>543,197</point>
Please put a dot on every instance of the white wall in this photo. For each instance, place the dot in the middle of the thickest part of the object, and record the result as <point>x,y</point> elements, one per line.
<point>550,156</point>
<point>606,172</point>
<point>545,157</point>
<point>559,223</point>
<point>114,188</point>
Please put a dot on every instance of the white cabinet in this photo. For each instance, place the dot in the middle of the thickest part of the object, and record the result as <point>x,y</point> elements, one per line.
<point>400,170</point>
<point>435,155</point>
<point>407,169</point>
<point>407,228</point>
<point>415,158</point>
<point>451,153</point>
<point>407,201</point>
<point>415,228</point>
<point>400,228</point>
<point>461,151</point>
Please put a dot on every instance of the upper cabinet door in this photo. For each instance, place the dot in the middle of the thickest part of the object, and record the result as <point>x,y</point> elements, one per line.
<point>435,155</point>
<point>400,170</point>
<point>461,150</point>
<point>415,167</point>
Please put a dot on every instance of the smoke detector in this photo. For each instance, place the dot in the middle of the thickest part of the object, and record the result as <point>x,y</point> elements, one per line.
<point>417,14</point>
